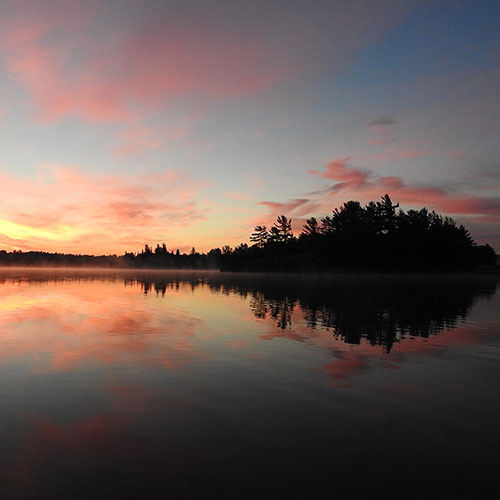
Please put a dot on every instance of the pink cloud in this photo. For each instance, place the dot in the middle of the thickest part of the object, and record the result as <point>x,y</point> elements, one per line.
<point>364,185</point>
<point>339,170</point>
<point>136,139</point>
<point>367,185</point>
<point>109,75</point>
<point>69,210</point>
<point>239,196</point>
<point>298,213</point>
<point>296,209</point>
<point>107,62</point>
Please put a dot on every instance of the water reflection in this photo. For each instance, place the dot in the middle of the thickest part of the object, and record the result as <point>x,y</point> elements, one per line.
<point>63,320</point>
<point>381,309</point>
<point>167,384</point>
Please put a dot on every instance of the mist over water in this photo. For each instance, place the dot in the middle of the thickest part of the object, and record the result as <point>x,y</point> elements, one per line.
<point>193,384</point>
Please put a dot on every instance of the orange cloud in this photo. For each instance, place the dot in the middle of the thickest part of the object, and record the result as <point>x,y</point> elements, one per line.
<point>66,209</point>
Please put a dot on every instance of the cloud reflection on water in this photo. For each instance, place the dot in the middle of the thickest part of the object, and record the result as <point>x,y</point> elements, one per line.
<point>84,317</point>
<point>135,379</point>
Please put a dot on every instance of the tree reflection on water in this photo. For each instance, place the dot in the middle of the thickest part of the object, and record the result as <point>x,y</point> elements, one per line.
<point>380,309</point>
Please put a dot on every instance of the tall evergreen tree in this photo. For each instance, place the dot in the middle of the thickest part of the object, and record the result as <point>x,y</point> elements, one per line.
<point>282,229</point>
<point>260,236</point>
<point>387,213</point>
<point>311,227</point>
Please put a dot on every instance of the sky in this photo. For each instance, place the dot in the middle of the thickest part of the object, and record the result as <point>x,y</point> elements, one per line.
<point>189,122</point>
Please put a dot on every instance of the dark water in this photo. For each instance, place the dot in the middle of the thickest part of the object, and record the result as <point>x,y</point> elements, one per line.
<point>209,385</point>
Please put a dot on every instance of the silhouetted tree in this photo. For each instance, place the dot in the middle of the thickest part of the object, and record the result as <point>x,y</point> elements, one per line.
<point>349,218</point>
<point>260,236</point>
<point>311,228</point>
<point>375,236</point>
<point>386,213</point>
<point>282,229</point>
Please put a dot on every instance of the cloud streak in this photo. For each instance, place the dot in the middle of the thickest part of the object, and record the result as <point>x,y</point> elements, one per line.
<point>110,75</point>
<point>104,63</point>
<point>69,210</point>
<point>364,185</point>
<point>368,185</point>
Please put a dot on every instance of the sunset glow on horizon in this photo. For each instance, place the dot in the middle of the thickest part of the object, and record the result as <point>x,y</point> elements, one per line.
<point>124,123</point>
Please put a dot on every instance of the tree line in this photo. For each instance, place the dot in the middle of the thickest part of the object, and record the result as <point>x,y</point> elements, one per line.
<point>376,236</point>
<point>157,258</point>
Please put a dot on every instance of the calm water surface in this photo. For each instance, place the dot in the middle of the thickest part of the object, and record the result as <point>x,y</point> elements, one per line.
<point>202,384</point>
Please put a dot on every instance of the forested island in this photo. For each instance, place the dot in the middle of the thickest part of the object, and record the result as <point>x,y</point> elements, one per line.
<point>374,237</point>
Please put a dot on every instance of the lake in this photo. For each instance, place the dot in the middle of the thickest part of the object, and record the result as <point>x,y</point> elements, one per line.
<point>178,384</point>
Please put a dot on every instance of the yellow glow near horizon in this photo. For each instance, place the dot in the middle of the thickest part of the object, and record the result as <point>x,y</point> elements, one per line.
<point>17,231</point>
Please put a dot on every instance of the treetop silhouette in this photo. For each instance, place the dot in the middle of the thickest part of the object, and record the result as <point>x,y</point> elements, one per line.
<point>379,236</point>
<point>376,236</point>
